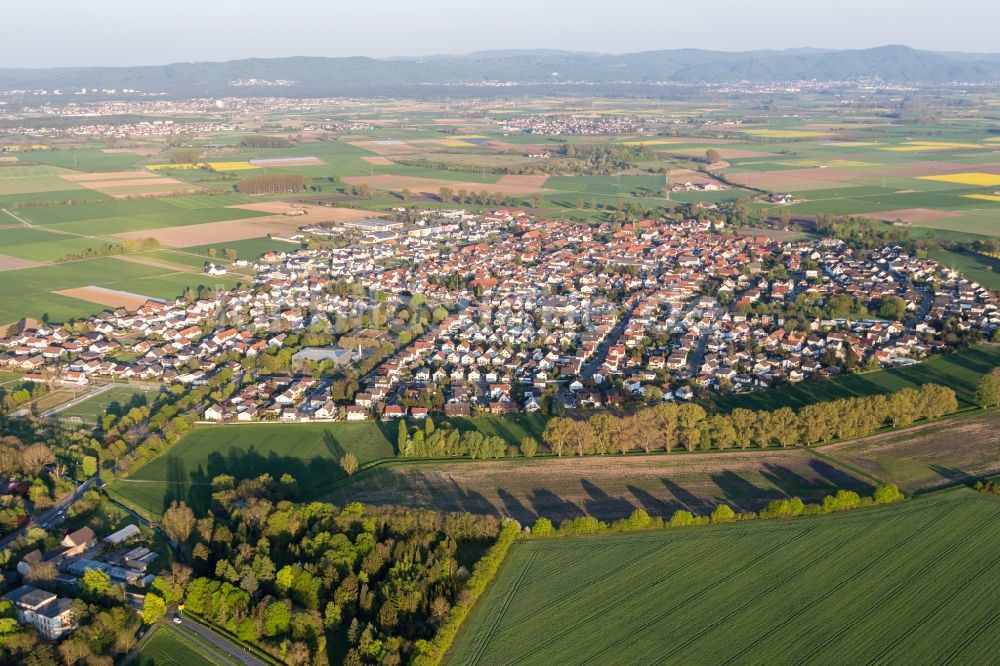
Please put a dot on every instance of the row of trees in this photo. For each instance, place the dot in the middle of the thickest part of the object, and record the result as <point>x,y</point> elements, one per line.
<point>639,520</point>
<point>127,246</point>
<point>432,442</point>
<point>262,141</point>
<point>271,183</point>
<point>688,426</point>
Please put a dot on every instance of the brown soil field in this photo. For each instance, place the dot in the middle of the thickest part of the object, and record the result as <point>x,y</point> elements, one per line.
<point>512,185</point>
<point>605,487</point>
<point>102,296</point>
<point>146,152</point>
<point>929,456</point>
<point>129,182</point>
<point>313,213</point>
<point>522,147</point>
<point>8,159</point>
<point>218,232</point>
<point>252,227</point>
<point>108,175</point>
<point>915,214</point>
<point>377,160</point>
<point>8,263</point>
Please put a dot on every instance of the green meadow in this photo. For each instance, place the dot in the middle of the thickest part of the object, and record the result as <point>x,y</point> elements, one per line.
<point>912,582</point>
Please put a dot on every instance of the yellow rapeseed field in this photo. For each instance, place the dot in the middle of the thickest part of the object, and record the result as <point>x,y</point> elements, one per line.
<point>230,166</point>
<point>983,197</point>
<point>972,178</point>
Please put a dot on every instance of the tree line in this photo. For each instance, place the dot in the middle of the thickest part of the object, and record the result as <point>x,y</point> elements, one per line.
<point>261,141</point>
<point>688,426</point>
<point>792,507</point>
<point>271,183</point>
<point>127,246</point>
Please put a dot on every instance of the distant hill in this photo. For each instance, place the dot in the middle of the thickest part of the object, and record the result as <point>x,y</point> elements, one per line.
<point>894,64</point>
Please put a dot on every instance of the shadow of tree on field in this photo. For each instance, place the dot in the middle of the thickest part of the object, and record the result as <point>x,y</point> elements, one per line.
<point>654,506</point>
<point>602,505</point>
<point>548,504</point>
<point>514,508</point>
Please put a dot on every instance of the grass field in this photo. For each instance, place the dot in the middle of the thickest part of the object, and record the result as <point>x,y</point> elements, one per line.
<point>914,582</point>
<point>960,370</point>
<point>309,452</point>
<point>607,487</point>
<point>929,456</point>
<point>984,270</point>
<point>169,646</point>
<point>121,396</point>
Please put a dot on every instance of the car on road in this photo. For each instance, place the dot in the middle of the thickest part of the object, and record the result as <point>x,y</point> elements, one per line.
<point>177,620</point>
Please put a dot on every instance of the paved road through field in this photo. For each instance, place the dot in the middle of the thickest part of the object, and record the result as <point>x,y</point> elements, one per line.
<point>235,651</point>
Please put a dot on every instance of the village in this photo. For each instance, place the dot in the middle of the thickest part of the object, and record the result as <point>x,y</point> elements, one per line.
<point>514,314</point>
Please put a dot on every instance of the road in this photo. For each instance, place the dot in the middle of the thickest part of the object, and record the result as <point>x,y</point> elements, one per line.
<point>611,339</point>
<point>237,652</point>
<point>698,355</point>
<point>52,516</point>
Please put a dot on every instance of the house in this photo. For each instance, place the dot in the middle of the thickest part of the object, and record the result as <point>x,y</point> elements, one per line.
<point>78,542</point>
<point>49,614</point>
<point>357,413</point>
<point>394,412</point>
<point>213,413</point>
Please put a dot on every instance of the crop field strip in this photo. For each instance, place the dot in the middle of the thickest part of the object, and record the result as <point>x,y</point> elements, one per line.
<point>862,567</point>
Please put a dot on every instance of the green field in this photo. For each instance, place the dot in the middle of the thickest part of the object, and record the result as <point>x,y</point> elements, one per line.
<point>307,451</point>
<point>984,270</point>
<point>120,396</point>
<point>959,370</point>
<point>169,646</point>
<point>28,291</point>
<point>914,582</point>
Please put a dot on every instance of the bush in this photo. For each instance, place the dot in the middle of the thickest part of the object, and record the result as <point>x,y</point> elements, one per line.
<point>723,514</point>
<point>543,528</point>
<point>887,494</point>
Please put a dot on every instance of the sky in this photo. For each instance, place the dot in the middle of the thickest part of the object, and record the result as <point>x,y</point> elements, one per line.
<point>52,33</point>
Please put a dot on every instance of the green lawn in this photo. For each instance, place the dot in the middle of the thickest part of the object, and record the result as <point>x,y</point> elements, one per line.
<point>307,451</point>
<point>960,370</point>
<point>170,646</point>
<point>984,270</point>
<point>121,397</point>
<point>914,582</point>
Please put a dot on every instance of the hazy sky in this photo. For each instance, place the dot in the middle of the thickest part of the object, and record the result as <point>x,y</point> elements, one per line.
<point>46,33</point>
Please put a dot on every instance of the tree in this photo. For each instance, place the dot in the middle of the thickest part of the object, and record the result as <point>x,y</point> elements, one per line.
<point>154,609</point>
<point>89,466</point>
<point>402,436</point>
<point>35,457</point>
<point>277,618</point>
<point>892,307</point>
<point>986,392</point>
<point>529,447</point>
<point>95,582</point>
<point>557,433</point>
<point>178,521</point>
<point>349,463</point>
<point>712,156</point>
